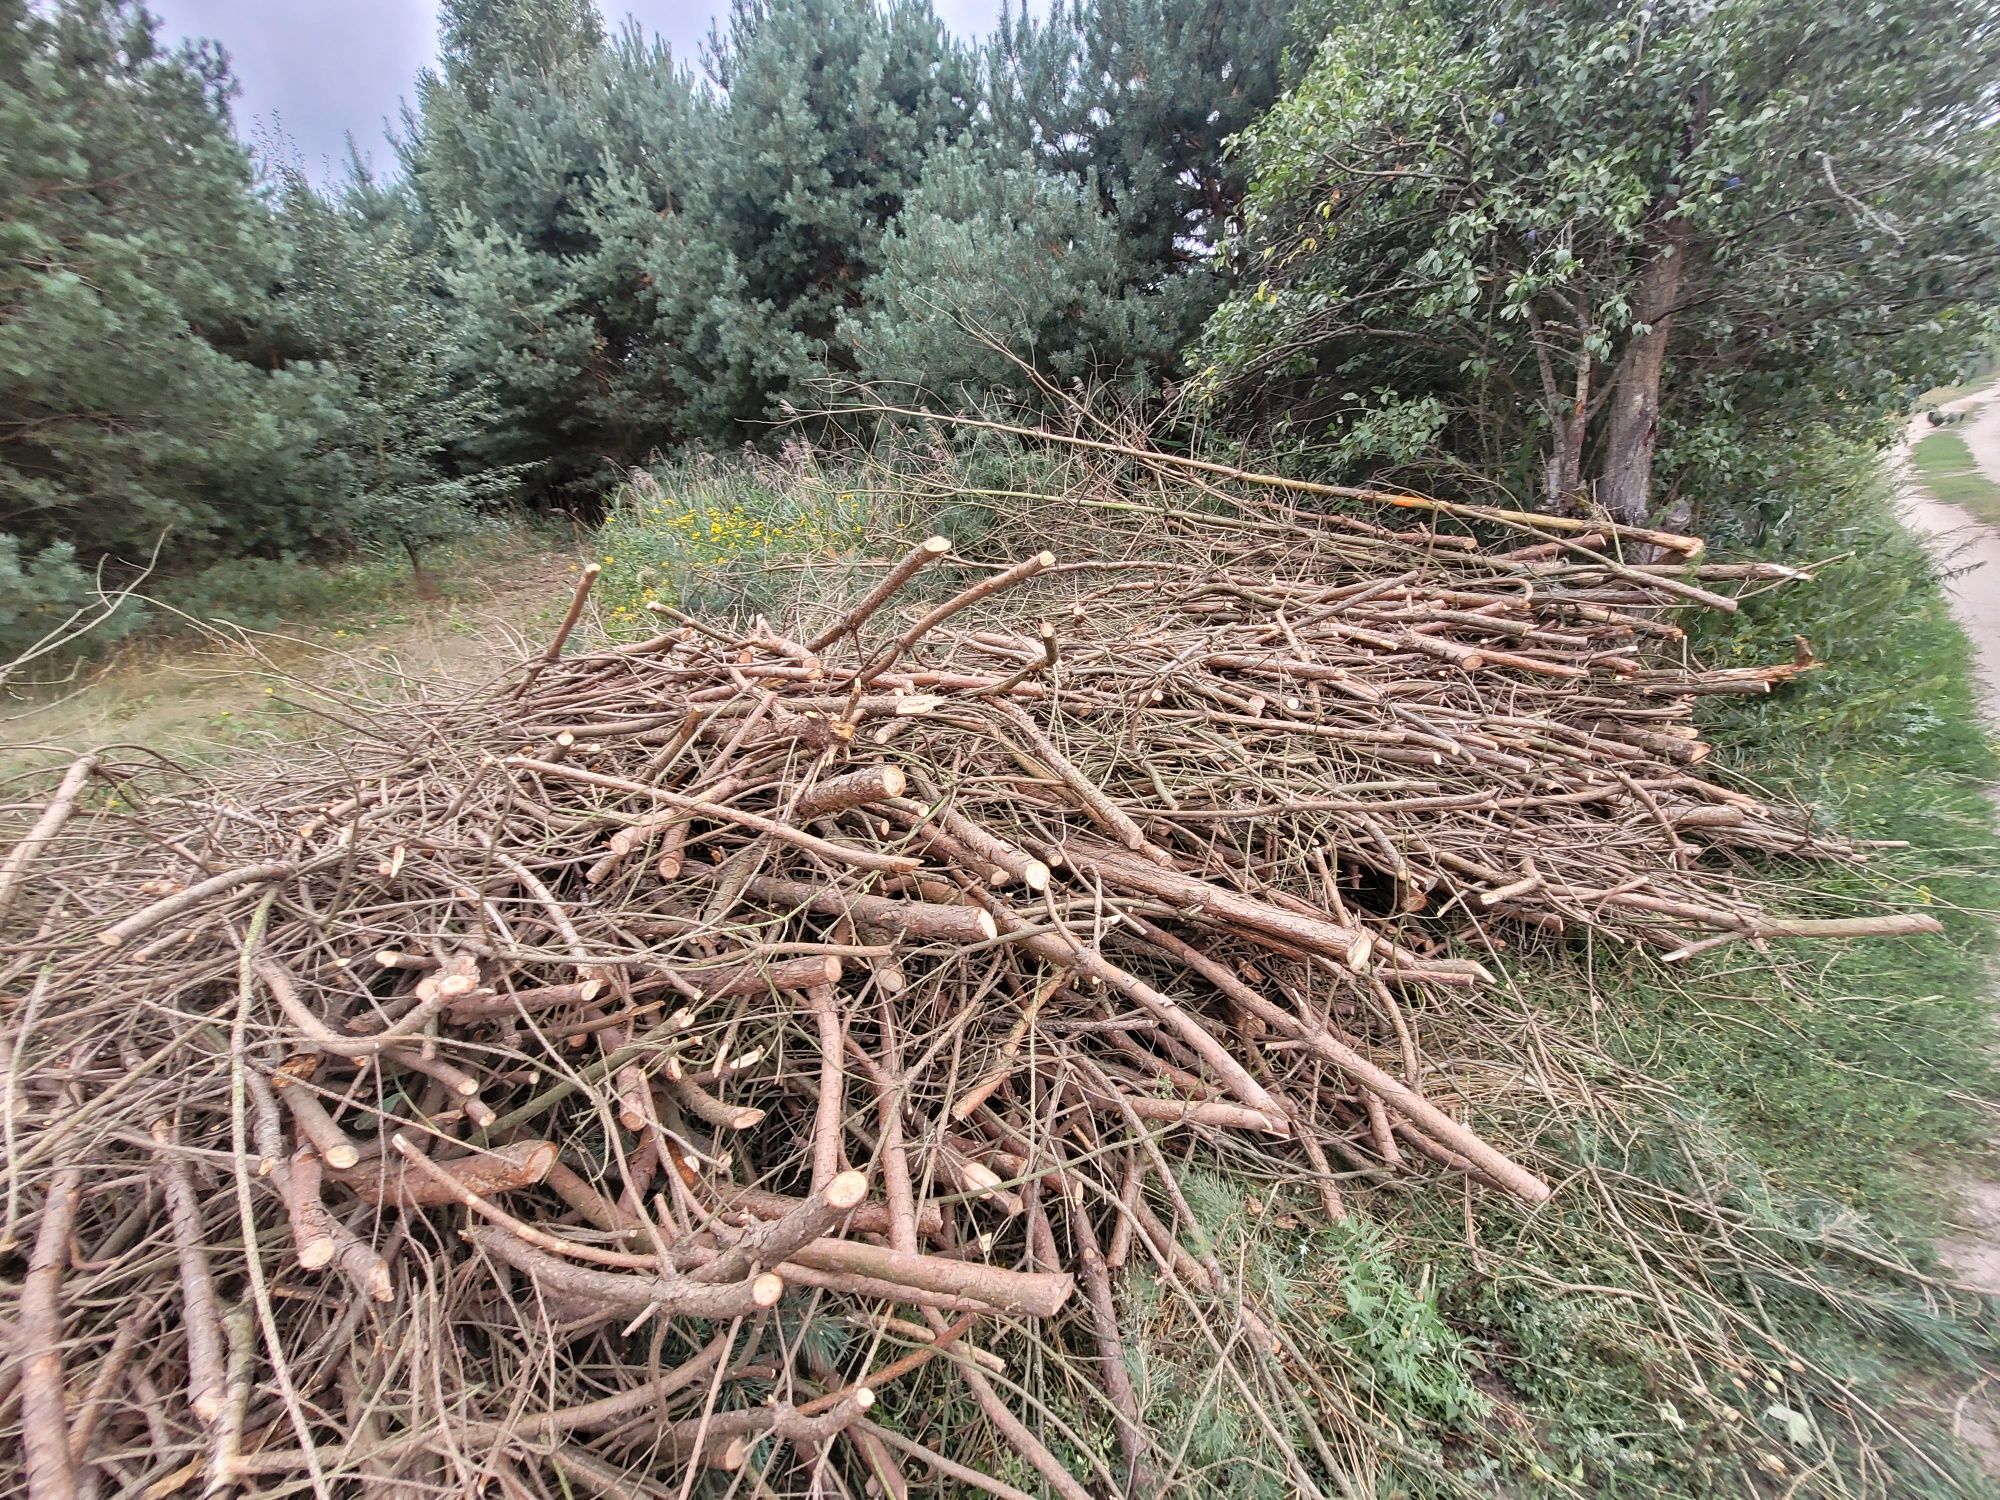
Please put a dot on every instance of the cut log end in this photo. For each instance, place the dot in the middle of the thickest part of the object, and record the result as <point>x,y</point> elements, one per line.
<point>767,1288</point>
<point>342,1157</point>
<point>847,1189</point>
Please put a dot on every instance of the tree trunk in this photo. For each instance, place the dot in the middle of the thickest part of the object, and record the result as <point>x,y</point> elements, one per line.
<point>1569,416</point>
<point>1562,475</point>
<point>426,586</point>
<point>1625,478</point>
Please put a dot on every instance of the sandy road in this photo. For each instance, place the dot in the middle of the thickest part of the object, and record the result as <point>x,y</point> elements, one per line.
<point>1970,550</point>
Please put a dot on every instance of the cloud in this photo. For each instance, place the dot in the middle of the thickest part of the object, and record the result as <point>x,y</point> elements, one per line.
<point>314,71</point>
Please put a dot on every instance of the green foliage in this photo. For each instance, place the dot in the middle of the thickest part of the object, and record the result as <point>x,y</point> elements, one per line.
<point>42,592</point>
<point>833,108</point>
<point>138,408</point>
<point>708,537</point>
<point>995,260</point>
<point>642,261</point>
<point>359,291</point>
<point>1591,230</point>
<point>1709,1305</point>
<point>1134,102</point>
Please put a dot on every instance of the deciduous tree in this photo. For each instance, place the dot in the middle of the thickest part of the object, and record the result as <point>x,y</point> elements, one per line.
<point>1580,230</point>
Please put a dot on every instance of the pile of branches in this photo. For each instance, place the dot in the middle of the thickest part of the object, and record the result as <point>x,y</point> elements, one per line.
<point>645,1068</point>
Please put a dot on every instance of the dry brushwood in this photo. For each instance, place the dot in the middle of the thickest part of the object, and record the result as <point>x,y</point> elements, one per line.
<point>673,993</point>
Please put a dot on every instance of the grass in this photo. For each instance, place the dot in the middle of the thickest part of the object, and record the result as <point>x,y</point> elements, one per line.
<point>1948,470</point>
<point>237,657</point>
<point>715,538</point>
<point>1818,1098</point>
<point>1775,1130</point>
<point>1821,1098</point>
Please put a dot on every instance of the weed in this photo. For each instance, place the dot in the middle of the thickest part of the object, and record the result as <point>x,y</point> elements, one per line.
<point>707,536</point>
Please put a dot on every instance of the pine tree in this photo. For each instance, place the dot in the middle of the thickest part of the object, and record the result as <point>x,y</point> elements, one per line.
<point>134,267</point>
<point>832,108</point>
<point>1139,99</point>
<point>995,264</point>
<point>360,291</point>
<point>537,150</point>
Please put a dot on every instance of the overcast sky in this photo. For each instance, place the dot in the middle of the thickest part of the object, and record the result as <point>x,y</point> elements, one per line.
<point>313,70</point>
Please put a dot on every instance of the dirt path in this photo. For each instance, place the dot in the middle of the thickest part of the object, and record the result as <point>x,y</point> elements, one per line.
<point>1971,553</point>
<point>230,691</point>
<point>1971,550</point>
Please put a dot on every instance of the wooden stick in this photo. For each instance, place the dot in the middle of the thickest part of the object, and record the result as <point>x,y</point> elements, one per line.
<point>598,1211</point>
<point>1090,796</point>
<point>949,1468</point>
<point>503,1169</point>
<point>1688,546</point>
<point>1213,1112</point>
<point>1012,1428</point>
<point>775,1240</point>
<point>1516,1179</point>
<point>316,1125</point>
<point>866,1218</point>
<point>704,1106</point>
<point>964,599</point>
<point>1016,863</point>
<point>930,921</point>
<point>928,550</point>
<point>1069,952</point>
<point>679,1296</point>
<point>44,1421</point>
<point>856,789</point>
<point>829,1112</point>
<point>312,1226</point>
<point>1039,1294</point>
<point>720,1436</point>
<point>456,1080</point>
<point>613,1410</point>
<point>866,859</point>
<point>1116,1381</point>
<point>15,868</point>
<point>200,1312</point>
<point>574,613</point>
<point>169,907</point>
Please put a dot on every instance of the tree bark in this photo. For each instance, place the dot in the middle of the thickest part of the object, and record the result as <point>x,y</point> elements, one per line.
<point>1632,429</point>
<point>1568,411</point>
